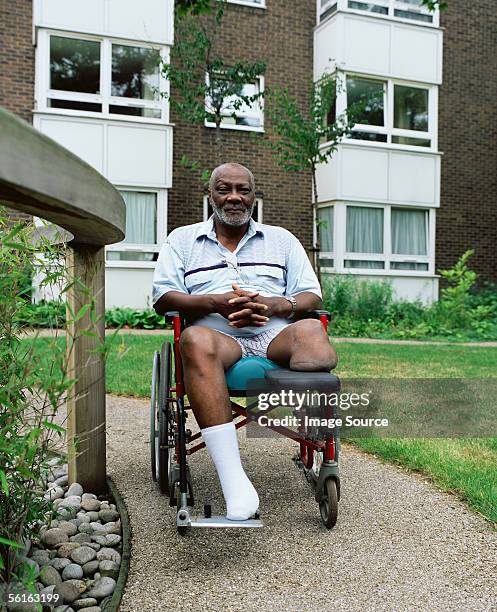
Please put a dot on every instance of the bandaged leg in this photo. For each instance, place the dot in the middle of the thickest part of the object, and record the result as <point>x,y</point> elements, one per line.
<point>241,498</point>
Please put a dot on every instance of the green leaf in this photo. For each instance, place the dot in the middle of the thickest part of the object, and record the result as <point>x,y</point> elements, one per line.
<point>10,543</point>
<point>82,311</point>
<point>4,483</point>
<point>54,427</point>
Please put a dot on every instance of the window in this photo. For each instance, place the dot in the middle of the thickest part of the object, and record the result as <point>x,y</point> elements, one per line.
<point>409,124</point>
<point>256,215</point>
<point>377,238</point>
<point>325,225</point>
<point>257,3</point>
<point>102,76</point>
<point>145,228</point>
<point>327,8</point>
<point>236,113</point>
<point>413,10</point>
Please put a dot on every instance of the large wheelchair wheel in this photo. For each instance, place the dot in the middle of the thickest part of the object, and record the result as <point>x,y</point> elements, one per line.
<point>154,411</point>
<point>165,421</point>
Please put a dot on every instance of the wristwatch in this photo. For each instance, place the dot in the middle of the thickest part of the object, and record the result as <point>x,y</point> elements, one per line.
<point>293,302</point>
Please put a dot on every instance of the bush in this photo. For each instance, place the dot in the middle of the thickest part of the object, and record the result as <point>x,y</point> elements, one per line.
<point>31,391</point>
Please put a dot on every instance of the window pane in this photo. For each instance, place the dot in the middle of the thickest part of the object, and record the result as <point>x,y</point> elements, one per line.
<point>327,10</point>
<point>141,217</point>
<point>412,9</point>
<point>74,105</point>
<point>412,142</point>
<point>135,72</point>
<point>152,113</point>
<point>368,265</point>
<point>326,263</point>
<point>411,108</point>
<point>369,7</point>
<point>413,15</point>
<point>74,65</point>
<point>225,97</point>
<point>409,230</point>
<point>364,230</point>
<point>409,265</point>
<point>370,94</point>
<point>131,256</point>
<point>325,217</point>
<point>373,136</point>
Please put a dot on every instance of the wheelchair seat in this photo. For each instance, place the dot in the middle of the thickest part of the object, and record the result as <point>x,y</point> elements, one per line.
<point>245,369</point>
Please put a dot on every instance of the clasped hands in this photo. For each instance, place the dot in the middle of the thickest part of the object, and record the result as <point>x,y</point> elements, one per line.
<point>243,308</point>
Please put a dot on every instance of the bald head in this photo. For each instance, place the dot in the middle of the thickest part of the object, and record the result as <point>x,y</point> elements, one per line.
<point>230,166</point>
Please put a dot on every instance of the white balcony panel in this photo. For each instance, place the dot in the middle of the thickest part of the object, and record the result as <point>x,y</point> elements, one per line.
<point>126,154</point>
<point>414,53</point>
<point>117,287</point>
<point>413,178</point>
<point>384,175</point>
<point>363,175</point>
<point>84,139</point>
<point>382,47</point>
<point>72,15</point>
<point>147,20</point>
<point>144,20</point>
<point>139,155</point>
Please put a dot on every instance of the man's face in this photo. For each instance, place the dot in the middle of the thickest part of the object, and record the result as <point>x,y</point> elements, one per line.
<point>232,197</point>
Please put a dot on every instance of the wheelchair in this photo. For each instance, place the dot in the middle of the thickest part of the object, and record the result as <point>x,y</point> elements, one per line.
<point>171,442</point>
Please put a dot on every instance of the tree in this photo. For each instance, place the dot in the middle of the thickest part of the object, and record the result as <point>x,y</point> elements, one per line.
<point>302,141</point>
<point>206,87</point>
<point>434,4</point>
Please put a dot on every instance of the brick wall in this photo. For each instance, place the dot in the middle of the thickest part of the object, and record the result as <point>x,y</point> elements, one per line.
<point>468,137</point>
<point>17,62</point>
<point>283,38</point>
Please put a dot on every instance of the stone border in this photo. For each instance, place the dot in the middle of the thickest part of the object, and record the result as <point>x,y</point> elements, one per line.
<point>112,603</point>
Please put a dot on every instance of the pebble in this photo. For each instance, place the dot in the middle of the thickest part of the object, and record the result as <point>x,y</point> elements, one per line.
<point>82,538</point>
<point>54,523</point>
<point>71,503</point>
<point>62,481</point>
<point>93,516</point>
<point>63,609</point>
<point>66,549</point>
<point>85,528</point>
<point>49,575</point>
<point>94,545</point>
<point>41,557</point>
<point>93,609</point>
<point>27,567</point>
<point>85,603</point>
<point>109,568</point>
<point>54,536</point>
<point>74,489</point>
<point>73,570</point>
<point>68,591</point>
<point>82,517</point>
<point>112,539</point>
<point>83,554</point>
<point>54,493</point>
<point>66,514</point>
<point>103,587</point>
<point>70,528</point>
<point>98,527</point>
<point>109,554</point>
<point>79,584</point>
<point>88,496</point>
<point>91,567</point>
<point>107,516</point>
<point>59,563</point>
<point>90,505</point>
<point>100,539</point>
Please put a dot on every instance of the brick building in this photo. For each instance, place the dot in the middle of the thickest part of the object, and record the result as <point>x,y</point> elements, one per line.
<point>412,190</point>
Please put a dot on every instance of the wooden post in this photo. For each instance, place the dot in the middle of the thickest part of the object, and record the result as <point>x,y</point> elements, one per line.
<point>85,338</point>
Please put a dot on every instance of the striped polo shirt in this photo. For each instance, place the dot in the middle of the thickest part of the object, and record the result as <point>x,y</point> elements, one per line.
<point>268,259</point>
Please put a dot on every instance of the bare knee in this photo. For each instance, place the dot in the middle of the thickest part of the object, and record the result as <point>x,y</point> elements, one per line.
<point>197,343</point>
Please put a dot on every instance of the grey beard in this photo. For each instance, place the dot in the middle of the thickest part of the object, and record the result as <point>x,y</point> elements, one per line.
<point>224,218</point>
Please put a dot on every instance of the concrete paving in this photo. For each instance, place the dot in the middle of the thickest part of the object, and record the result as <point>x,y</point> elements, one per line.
<point>399,543</point>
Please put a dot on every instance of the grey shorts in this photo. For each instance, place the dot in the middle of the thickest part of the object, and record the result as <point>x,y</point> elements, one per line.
<point>256,346</point>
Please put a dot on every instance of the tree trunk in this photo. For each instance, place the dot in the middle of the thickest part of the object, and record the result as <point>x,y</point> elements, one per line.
<point>219,143</point>
<point>316,245</point>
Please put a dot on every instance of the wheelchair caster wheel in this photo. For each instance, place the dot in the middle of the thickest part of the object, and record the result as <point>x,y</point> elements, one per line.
<point>328,506</point>
<point>207,511</point>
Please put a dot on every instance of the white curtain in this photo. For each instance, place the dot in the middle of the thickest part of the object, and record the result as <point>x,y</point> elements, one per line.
<point>141,217</point>
<point>364,235</point>
<point>409,232</point>
<point>325,215</point>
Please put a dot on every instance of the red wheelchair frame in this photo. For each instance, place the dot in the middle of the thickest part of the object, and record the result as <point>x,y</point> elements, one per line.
<point>172,443</point>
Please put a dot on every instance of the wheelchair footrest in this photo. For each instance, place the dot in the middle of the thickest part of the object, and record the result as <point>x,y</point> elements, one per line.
<point>223,522</point>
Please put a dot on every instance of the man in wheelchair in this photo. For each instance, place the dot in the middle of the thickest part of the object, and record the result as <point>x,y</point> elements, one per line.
<point>242,286</point>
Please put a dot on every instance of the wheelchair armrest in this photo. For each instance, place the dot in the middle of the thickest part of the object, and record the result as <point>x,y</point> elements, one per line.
<point>315,314</point>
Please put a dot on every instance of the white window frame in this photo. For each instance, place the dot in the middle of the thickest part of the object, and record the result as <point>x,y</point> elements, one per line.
<point>340,254</point>
<point>205,208</point>
<point>243,128</point>
<point>104,98</point>
<point>261,5</point>
<point>142,248</point>
<point>388,101</point>
<point>390,5</point>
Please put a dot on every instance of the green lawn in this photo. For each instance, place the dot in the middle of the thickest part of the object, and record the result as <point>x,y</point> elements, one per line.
<point>467,467</point>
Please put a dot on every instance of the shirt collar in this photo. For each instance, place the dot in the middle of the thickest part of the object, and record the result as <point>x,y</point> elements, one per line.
<point>207,229</point>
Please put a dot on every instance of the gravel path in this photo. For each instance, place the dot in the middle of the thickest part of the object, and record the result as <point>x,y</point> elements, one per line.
<point>399,544</point>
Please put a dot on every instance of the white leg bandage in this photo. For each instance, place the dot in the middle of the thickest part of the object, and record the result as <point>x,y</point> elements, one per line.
<point>241,498</point>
